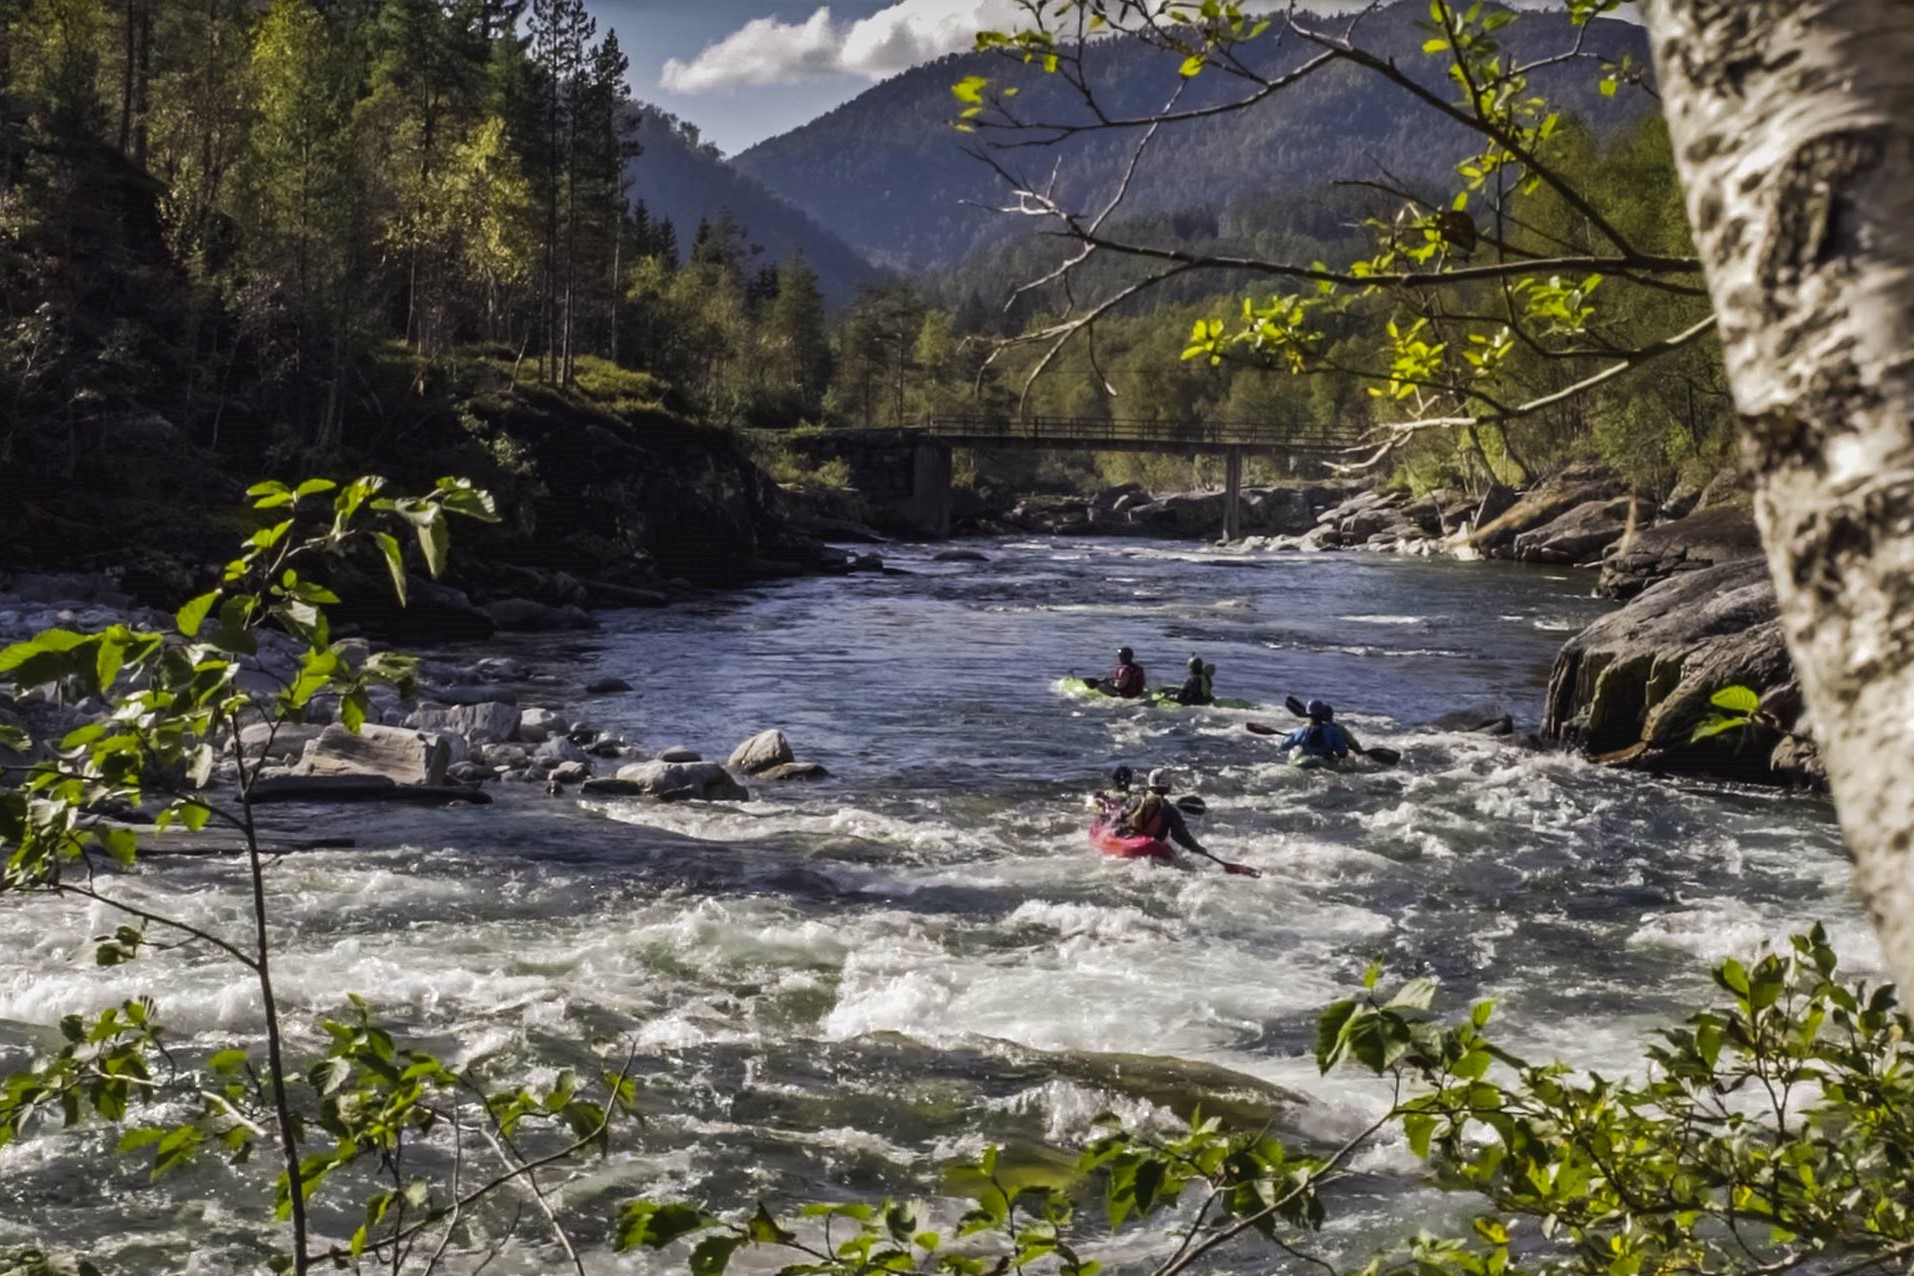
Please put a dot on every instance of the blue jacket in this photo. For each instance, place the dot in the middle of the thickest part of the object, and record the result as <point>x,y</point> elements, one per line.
<point>1321,740</point>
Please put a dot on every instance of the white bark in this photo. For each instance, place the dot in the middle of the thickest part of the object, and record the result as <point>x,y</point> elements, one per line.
<point>1793,123</point>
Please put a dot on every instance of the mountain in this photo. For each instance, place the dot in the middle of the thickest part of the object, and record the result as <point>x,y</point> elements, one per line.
<point>682,179</point>
<point>888,174</point>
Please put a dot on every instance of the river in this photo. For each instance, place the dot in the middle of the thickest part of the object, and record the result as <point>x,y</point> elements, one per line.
<point>836,988</point>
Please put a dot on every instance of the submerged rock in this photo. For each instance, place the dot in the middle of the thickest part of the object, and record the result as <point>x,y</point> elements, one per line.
<point>606,686</point>
<point>796,771</point>
<point>1631,688</point>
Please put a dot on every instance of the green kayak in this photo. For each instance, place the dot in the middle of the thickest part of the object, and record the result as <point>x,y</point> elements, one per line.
<point>1160,698</point>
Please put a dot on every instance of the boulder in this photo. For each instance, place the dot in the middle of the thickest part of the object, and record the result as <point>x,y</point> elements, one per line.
<point>704,781</point>
<point>606,686</point>
<point>1706,538</point>
<point>286,743</point>
<point>394,753</point>
<point>959,556</point>
<point>483,693</point>
<point>471,772</point>
<point>522,615</point>
<point>1582,534</point>
<point>1541,505</point>
<point>679,753</point>
<point>761,752</point>
<point>1632,687</point>
<point>1725,488</point>
<point>484,723</point>
<point>537,725</point>
<point>571,773</point>
<point>561,749</point>
<point>795,771</point>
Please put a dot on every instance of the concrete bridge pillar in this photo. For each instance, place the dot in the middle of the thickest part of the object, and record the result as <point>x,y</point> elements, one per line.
<point>1233,494</point>
<point>930,488</point>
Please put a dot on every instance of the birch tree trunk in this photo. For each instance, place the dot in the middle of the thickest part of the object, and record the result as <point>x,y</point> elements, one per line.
<point>1793,123</point>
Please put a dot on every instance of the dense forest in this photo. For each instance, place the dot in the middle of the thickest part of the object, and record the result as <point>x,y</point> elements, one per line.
<point>290,231</point>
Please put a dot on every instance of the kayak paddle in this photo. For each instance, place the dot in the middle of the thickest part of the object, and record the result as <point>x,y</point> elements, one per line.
<point>1192,804</point>
<point>1234,870</point>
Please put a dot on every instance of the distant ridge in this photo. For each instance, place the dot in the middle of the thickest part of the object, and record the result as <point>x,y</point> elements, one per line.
<point>886,174</point>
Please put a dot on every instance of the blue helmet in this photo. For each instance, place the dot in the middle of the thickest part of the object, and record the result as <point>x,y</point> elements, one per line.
<point>1321,711</point>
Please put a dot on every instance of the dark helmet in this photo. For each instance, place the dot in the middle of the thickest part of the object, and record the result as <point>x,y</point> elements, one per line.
<point>1196,664</point>
<point>1125,655</point>
<point>1320,711</point>
<point>1122,776</point>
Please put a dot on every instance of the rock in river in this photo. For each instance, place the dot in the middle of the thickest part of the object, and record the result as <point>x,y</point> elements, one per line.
<point>400,755</point>
<point>488,723</point>
<point>1723,534</point>
<point>1632,687</point>
<point>761,752</point>
<point>537,725</point>
<point>1580,535</point>
<point>704,781</point>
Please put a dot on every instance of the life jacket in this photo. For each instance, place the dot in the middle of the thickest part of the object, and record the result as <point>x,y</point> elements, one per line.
<point>1208,677</point>
<point>1145,817</point>
<point>1128,680</point>
<point>1324,740</point>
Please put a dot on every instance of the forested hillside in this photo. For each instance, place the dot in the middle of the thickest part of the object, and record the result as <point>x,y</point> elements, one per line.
<point>683,180</point>
<point>886,174</point>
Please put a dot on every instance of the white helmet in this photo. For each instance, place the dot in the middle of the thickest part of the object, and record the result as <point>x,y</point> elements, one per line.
<point>1161,780</point>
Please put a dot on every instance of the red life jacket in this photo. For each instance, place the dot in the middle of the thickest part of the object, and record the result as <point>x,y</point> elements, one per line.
<point>1128,680</point>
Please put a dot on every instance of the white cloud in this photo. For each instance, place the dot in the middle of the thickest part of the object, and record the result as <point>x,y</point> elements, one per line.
<point>767,51</point>
<point>762,51</point>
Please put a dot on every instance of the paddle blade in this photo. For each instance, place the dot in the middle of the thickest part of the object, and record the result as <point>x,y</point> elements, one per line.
<point>1388,757</point>
<point>1242,870</point>
<point>1295,706</point>
<point>1193,804</point>
<point>1262,728</point>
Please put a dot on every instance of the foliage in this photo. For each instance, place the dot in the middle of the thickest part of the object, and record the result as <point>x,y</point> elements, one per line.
<point>1764,1135</point>
<point>1736,708</point>
<point>340,1122</point>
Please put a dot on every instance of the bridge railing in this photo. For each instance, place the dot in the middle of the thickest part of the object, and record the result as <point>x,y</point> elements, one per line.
<point>1094,431</point>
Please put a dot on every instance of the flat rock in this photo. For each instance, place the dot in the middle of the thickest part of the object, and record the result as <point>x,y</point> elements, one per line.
<point>1581,534</point>
<point>679,753</point>
<point>488,722</point>
<point>281,742</point>
<point>761,752</point>
<point>1724,534</point>
<point>397,754</point>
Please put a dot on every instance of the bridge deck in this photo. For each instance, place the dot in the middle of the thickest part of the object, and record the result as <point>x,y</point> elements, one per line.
<point>1096,434</point>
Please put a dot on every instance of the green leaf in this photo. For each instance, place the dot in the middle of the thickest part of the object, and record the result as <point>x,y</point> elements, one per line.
<point>765,1230</point>
<point>314,486</point>
<point>1736,699</point>
<point>655,1225</point>
<point>435,538</point>
<point>1329,1029</point>
<point>1717,724</point>
<point>227,1062</point>
<point>134,1140</point>
<point>194,613</point>
<point>1419,1126</point>
<point>1193,65</point>
<point>394,561</point>
<point>1435,45</point>
<point>712,1254</point>
<point>1417,994</point>
<point>122,844</point>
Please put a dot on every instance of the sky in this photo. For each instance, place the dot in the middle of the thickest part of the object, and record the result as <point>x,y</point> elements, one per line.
<point>745,70</point>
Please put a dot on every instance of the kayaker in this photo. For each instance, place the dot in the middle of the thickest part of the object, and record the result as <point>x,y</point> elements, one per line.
<point>1127,682</point>
<point>1198,688</point>
<point>1324,737</point>
<point>1152,814</point>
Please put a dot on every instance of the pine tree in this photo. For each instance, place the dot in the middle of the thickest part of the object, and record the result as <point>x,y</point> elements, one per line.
<point>800,336</point>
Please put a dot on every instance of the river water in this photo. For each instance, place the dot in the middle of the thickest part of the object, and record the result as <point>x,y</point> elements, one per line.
<point>837,988</point>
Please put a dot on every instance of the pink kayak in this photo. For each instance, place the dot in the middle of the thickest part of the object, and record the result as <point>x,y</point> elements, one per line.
<point>1105,838</point>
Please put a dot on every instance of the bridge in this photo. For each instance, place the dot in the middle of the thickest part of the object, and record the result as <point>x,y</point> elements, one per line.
<point>1303,448</point>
